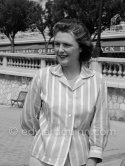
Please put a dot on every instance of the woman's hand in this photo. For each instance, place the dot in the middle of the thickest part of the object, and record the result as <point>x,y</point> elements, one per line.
<point>123,163</point>
<point>91,162</point>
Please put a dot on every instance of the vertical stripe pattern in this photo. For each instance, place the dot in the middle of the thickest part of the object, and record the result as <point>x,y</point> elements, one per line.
<point>73,120</point>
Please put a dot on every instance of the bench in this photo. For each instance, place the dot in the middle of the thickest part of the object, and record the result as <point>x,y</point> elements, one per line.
<point>20,99</point>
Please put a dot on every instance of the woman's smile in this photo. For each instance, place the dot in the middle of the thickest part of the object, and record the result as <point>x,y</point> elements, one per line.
<point>63,56</point>
<point>66,49</point>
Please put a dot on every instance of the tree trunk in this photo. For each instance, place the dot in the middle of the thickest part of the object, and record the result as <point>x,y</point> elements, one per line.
<point>47,44</point>
<point>12,46</point>
<point>12,43</point>
<point>46,49</point>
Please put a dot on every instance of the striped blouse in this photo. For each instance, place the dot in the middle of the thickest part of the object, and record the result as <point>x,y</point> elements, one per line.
<point>72,120</point>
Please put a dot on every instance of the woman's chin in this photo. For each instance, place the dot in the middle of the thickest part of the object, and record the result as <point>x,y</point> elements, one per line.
<point>63,62</point>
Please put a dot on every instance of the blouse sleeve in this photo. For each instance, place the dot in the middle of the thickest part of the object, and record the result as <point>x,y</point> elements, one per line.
<point>29,116</point>
<point>100,124</point>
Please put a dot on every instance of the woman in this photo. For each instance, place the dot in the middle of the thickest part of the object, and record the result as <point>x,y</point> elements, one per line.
<point>72,127</point>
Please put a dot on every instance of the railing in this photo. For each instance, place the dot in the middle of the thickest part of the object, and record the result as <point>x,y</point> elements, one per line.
<point>109,67</point>
<point>113,70</point>
<point>112,67</point>
<point>26,61</point>
<point>1,61</point>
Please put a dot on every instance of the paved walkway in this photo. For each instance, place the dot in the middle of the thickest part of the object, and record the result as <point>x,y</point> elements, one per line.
<point>115,150</point>
<point>15,145</point>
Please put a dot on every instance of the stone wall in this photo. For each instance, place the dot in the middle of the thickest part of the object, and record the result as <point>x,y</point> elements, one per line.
<point>10,86</point>
<point>116,103</point>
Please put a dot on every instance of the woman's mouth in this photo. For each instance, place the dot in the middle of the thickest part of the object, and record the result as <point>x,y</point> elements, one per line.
<point>63,56</point>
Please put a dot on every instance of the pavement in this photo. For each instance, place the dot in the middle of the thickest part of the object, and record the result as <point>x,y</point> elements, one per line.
<point>15,144</point>
<point>114,152</point>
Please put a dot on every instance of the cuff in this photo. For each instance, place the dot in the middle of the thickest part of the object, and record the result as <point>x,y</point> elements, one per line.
<point>95,152</point>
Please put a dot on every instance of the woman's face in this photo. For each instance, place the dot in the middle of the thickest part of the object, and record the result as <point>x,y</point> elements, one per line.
<point>66,48</point>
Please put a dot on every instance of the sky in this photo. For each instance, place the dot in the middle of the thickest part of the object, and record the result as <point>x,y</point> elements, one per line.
<point>42,2</point>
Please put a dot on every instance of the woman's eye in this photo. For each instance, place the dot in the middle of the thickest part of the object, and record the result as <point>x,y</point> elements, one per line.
<point>66,45</point>
<point>56,44</point>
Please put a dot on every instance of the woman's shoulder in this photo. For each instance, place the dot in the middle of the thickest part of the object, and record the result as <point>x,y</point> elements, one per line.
<point>99,76</point>
<point>44,71</point>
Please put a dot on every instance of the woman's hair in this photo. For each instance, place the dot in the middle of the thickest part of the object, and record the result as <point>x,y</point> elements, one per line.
<point>81,34</point>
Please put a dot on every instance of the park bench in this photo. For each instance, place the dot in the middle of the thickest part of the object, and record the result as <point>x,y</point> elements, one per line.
<point>20,99</point>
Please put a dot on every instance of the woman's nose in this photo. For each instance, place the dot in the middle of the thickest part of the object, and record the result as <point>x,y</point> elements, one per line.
<point>61,48</point>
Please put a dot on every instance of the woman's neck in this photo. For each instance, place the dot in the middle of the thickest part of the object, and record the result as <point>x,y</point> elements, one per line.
<point>71,72</point>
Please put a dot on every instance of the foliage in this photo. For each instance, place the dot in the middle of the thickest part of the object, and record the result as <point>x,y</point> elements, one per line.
<point>86,10</point>
<point>14,17</point>
<point>38,20</point>
<point>44,20</point>
<point>19,15</point>
<point>110,10</point>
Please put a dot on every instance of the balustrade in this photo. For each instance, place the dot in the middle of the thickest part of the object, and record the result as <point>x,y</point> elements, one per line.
<point>27,61</point>
<point>23,62</point>
<point>1,61</point>
<point>113,70</point>
<point>112,67</point>
<point>50,62</point>
<point>109,67</point>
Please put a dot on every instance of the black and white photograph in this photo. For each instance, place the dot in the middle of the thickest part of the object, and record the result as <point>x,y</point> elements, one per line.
<point>62,82</point>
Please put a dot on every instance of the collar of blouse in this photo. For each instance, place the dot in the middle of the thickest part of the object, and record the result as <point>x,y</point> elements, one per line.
<point>85,72</point>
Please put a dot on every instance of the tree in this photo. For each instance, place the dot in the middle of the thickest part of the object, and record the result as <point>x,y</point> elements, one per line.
<point>14,17</point>
<point>111,10</point>
<point>44,20</point>
<point>51,17</point>
<point>38,20</point>
<point>85,10</point>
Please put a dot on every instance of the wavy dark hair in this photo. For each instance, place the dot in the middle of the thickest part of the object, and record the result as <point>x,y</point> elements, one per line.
<point>81,34</point>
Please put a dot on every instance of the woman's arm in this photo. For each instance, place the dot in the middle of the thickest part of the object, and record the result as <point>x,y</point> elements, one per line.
<point>123,163</point>
<point>99,127</point>
<point>92,162</point>
<point>29,116</point>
